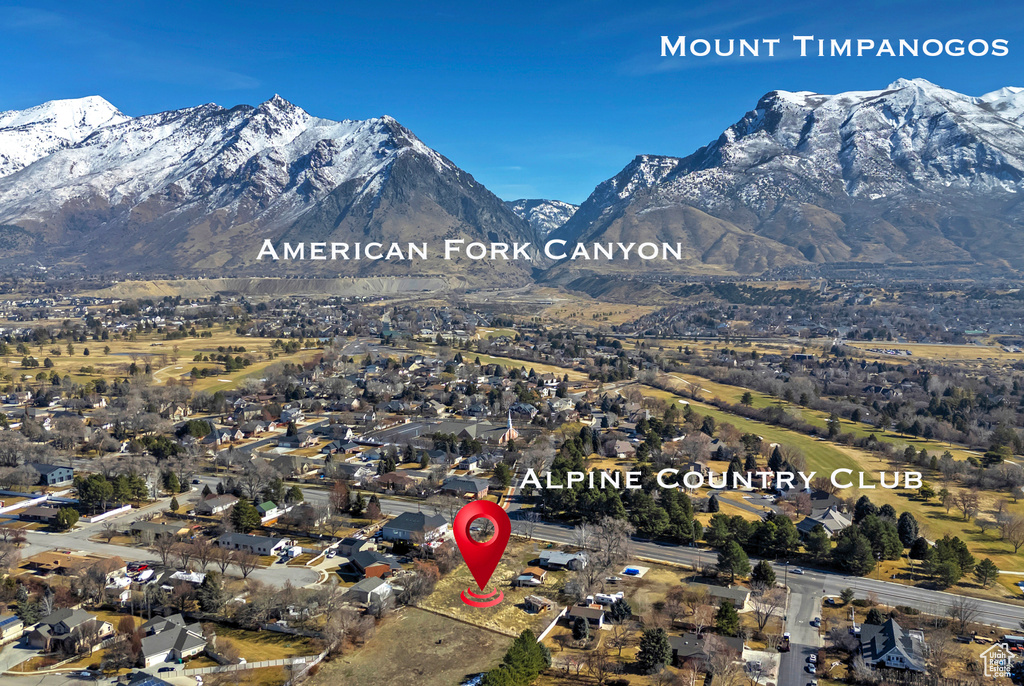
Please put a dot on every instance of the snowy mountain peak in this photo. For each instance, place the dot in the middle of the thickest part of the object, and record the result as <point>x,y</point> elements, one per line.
<point>29,135</point>
<point>910,173</point>
<point>545,216</point>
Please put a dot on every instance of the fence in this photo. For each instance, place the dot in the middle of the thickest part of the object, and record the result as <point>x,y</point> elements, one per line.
<point>303,662</point>
<point>552,624</point>
<point>107,514</point>
<point>24,503</point>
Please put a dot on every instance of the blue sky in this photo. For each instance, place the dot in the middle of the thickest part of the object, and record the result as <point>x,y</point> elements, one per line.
<point>535,99</point>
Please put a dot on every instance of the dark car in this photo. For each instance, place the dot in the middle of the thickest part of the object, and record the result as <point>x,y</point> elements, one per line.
<point>163,670</point>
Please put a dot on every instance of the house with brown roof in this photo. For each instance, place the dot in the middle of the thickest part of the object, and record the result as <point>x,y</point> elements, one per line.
<point>530,576</point>
<point>537,603</point>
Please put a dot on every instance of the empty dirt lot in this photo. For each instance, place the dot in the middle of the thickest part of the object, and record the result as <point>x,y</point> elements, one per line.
<point>405,650</point>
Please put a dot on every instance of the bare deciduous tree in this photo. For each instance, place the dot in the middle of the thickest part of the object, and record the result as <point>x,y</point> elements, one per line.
<point>963,611</point>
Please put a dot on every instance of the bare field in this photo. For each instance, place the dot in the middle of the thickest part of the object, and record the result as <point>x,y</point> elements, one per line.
<point>416,647</point>
<point>508,617</point>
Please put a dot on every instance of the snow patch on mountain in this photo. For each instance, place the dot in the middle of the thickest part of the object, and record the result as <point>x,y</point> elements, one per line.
<point>544,216</point>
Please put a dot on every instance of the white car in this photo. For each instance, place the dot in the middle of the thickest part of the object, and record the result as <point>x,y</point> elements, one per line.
<point>797,570</point>
<point>330,554</point>
<point>811,669</point>
<point>812,658</point>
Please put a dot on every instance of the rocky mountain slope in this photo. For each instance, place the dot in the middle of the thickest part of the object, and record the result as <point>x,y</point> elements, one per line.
<point>912,173</point>
<point>198,190</point>
<point>544,216</point>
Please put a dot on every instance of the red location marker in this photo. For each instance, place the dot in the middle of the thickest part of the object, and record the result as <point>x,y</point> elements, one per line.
<point>482,558</point>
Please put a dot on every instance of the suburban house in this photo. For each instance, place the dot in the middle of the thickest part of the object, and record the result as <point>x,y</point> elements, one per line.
<point>66,627</point>
<point>830,519</point>
<point>537,603</point>
<point>556,559</point>
<point>465,487</point>
<point>594,614</point>
<point>51,474</point>
<point>737,595</point>
<point>11,628</point>
<point>301,439</point>
<point>531,576</point>
<point>268,510</point>
<point>216,504</point>
<point>295,465</point>
<point>56,562</point>
<point>690,648</point>
<point>348,547</point>
<point>170,639</point>
<point>157,529</point>
<point>38,513</point>
<point>890,646</point>
<point>371,591</point>
<point>371,564</point>
<point>415,527</point>
<point>356,472</point>
<point>261,545</point>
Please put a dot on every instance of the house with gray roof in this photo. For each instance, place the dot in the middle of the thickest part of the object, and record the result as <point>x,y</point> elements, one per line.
<point>415,527</point>
<point>261,545</point>
<point>465,487</point>
<point>371,591</point>
<point>830,519</point>
<point>170,639</point>
<point>890,646</point>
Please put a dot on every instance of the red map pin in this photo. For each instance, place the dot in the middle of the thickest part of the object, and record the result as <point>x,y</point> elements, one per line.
<point>482,558</point>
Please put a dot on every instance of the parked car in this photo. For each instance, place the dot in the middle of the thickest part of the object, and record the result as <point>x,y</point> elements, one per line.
<point>811,669</point>
<point>163,670</point>
<point>812,658</point>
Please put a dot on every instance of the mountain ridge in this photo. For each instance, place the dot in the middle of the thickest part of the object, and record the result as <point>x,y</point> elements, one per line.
<point>200,188</point>
<point>909,173</point>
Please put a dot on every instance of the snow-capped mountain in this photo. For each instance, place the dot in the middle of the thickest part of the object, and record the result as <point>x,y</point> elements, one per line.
<point>29,135</point>
<point>910,173</point>
<point>200,188</point>
<point>544,216</point>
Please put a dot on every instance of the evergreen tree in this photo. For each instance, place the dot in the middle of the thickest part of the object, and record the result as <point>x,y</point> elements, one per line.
<point>875,617</point>
<point>580,629</point>
<point>211,593</point>
<point>863,508</point>
<point>908,529</point>
<point>206,491</point>
<point>919,548</point>
<point>713,505</point>
<point>763,574</point>
<point>522,664</point>
<point>654,651</point>
<point>727,620</point>
<point>733,561</point>
<point>358,506</point>
<point>620,611</point>
<point>853,553</point>
<point>174,504</point>
<point>818,543</point>
<point>66,518</point>
<point>244,516</point>
<point>294,495</point>
<point>986,572</point>
<point>171,484</point>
